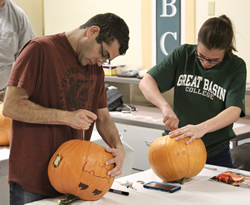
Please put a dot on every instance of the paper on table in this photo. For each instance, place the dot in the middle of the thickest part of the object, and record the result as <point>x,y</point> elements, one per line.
<point>245,182</point>
<point>237,125</point>
<point>135,116</point>
<point>4,153</point>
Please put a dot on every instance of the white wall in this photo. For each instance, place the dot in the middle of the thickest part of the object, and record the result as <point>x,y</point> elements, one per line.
<point>34,11</point>
<point>238,12</point>
<point>65,15</point>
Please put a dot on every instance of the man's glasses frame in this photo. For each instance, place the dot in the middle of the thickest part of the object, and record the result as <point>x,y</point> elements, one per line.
<point>105,59</point>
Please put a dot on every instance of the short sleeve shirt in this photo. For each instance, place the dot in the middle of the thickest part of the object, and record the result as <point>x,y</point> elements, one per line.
<point>48,69</point>
<point>201,94</point>
<point>15,31</point>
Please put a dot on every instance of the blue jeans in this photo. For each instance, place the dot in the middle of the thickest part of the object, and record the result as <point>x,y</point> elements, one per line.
<point>222,159</point>
<point>18,196</point>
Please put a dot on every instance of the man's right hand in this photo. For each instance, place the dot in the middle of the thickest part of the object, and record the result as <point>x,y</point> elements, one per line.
<point>81,119</point>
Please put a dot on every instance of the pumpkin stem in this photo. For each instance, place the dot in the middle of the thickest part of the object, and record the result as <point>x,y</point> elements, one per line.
<point>68,201</point>
<point>181,181</point>
<point>2,94</point>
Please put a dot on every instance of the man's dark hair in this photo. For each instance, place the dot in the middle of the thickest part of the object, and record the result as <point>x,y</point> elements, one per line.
<point>111,27</point>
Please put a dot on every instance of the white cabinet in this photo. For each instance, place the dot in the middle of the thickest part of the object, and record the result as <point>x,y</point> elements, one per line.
<point>139,138</point>
<point>4,186</point>
<point>138,134</point>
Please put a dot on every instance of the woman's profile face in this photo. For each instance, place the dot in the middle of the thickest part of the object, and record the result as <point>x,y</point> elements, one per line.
<point>209,58</point>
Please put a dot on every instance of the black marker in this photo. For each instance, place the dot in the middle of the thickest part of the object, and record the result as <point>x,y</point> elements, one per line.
<point>119,192</point>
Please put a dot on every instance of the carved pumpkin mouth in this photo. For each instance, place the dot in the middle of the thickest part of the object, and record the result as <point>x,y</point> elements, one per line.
<point>83,186</point>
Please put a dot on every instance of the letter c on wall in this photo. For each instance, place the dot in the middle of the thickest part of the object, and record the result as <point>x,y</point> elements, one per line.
<point>162,40</point>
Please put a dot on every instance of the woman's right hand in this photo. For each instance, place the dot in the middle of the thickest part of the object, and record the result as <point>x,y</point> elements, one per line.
<point>170,119</point>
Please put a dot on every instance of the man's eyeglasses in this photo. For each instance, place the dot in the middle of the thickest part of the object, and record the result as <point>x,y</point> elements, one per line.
<point>215,62</point>
<point>104,58</point>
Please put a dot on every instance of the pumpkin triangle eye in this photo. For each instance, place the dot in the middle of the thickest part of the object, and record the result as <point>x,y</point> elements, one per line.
<point>83,186</point>
<point>96,192</point>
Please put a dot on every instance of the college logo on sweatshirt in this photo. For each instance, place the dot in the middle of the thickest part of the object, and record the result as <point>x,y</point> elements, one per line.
<point>201,86</point>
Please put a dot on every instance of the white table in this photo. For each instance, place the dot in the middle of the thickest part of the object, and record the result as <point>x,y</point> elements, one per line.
<point>197,190</point>
<point>4,186</point>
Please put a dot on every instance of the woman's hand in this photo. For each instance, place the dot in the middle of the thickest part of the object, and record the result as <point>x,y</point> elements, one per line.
<point>169,118</point>
<point>192,131</point>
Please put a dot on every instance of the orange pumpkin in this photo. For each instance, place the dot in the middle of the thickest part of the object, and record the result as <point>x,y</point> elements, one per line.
<point>78,168</point>
<point>173,160</point>
<point>5,126</point>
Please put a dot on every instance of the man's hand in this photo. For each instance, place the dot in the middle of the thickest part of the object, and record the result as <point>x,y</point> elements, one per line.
<point>81,119</point>
<point>119,156</point>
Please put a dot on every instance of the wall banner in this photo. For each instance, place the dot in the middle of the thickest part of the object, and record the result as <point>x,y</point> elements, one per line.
<point>168,27</point>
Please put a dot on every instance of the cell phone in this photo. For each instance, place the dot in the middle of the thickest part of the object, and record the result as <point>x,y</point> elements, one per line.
<point>162,186</point>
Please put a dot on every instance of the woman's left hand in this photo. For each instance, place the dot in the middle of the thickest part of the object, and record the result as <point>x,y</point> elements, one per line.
<point>192,131</point>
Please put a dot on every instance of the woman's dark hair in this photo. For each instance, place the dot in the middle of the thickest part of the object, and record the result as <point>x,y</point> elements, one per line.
<point>217,33</point>
<point>112,27</point>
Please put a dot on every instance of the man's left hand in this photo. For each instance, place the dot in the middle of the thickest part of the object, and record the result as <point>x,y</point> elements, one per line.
<point>119,156</point>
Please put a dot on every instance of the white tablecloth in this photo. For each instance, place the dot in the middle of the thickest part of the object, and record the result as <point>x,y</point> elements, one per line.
<point>197,190</point>
<point>4,152</point>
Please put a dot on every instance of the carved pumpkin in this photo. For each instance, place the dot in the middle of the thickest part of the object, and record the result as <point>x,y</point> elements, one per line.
<point>173,160</point>
<point>78,168</point>
<point>5,125</point>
